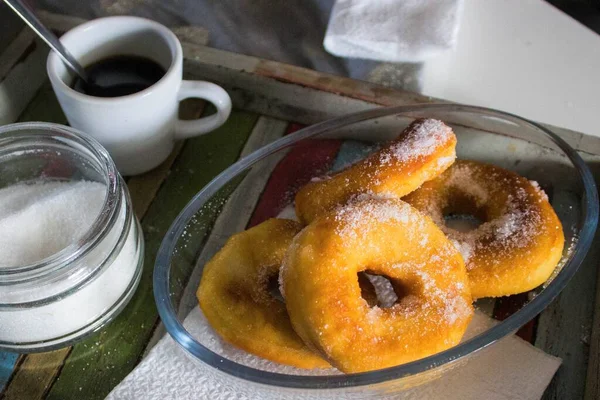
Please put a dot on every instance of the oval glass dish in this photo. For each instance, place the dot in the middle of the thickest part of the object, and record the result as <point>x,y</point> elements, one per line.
<point>262,184</point>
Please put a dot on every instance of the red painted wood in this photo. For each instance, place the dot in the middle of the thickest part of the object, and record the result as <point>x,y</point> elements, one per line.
<point>305,160</point>
<point>507,306</point>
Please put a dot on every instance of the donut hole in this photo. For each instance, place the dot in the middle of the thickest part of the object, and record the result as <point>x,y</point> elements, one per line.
<point>464,213</point>
<point>273,287</point>
<point>380,290</point>
<point>462,222</point>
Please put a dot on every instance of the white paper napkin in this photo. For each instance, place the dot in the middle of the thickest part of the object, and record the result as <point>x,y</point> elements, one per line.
<point>510,369</point>
<point>392,30</point>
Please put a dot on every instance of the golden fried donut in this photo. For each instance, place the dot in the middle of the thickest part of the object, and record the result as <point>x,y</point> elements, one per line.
<point>235,298</point>
<point>387,237</point>
<point>421,152</point>
<point>520,241</point>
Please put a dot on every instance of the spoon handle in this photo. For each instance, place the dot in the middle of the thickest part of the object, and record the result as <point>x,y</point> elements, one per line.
<point>30,19</point>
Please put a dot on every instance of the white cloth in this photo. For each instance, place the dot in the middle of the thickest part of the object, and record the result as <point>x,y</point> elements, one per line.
<point>392,30</point>
<point>509,369</point>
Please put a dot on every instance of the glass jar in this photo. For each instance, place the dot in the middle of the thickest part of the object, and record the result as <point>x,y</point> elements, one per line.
<point>58,300</point>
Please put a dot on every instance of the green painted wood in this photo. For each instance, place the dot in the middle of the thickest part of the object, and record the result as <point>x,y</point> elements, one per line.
<point>97,364</point>
<point>43,107</point>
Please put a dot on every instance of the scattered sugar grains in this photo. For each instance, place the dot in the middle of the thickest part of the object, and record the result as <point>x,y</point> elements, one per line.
<point>39,220</point>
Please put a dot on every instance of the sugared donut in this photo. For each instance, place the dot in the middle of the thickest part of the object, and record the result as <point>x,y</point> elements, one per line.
<point>234,295</point>
<point>520,241</point>
<point>421,152</point>
<point>386,237</point>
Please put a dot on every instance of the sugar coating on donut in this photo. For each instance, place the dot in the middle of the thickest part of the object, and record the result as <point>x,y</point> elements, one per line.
<point>360,212</point>
<point>454,307</point>
<point>516,228</point>
<point>464,248</point>
<point>539,190</point>
<point>519,223</point>
<point>421,139</point>
<point>431,307</point>
<point>421,152</point>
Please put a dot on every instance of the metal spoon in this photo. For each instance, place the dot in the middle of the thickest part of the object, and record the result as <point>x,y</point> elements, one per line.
<point>46,34</point>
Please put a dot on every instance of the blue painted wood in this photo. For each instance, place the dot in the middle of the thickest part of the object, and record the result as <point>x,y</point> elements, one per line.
<point>350,152</point>
<point>7,365</point>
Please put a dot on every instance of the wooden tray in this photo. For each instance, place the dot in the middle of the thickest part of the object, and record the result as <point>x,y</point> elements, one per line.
<point>270,99</point>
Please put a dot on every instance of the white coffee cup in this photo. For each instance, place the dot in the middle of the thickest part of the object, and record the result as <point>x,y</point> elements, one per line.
<point>138,130</point>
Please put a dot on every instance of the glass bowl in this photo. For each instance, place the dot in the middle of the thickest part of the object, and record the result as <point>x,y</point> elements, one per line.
<point>260,185</point>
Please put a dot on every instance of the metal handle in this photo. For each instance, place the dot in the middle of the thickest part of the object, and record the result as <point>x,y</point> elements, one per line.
<point>38,27</point>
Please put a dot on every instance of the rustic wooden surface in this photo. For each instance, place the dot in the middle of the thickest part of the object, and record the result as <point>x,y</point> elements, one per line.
<point>274,96</point>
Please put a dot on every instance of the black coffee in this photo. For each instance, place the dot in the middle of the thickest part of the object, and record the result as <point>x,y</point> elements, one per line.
<point>119,76</point>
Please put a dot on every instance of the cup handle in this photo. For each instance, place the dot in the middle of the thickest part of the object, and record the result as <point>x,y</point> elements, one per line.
<point>207,91</point>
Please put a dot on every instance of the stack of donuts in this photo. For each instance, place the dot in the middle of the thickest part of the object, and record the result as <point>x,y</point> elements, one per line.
<point>385,215</point>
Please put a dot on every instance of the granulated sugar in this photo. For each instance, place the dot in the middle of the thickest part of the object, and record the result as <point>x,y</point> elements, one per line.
<point>39,220</point>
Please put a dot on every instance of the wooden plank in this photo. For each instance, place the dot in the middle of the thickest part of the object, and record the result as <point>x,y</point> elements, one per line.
<point>7,363</point>
<point>304,161</point>
<point>143,188</point>
<point>35,373</point>
<point>347,87</point>
<point>25,76</point>
<point>115,350</point>
<point>16,50</point>
<point>44,107</point>
<point>240,203</point>
<point>564,328</point>
<point>592,389</point>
